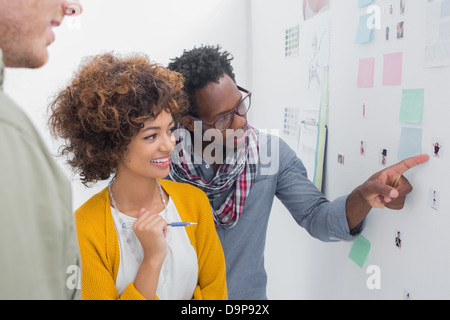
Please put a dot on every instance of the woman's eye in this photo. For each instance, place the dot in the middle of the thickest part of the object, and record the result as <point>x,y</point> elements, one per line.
<point>152,137</point>
<point>172,130</point>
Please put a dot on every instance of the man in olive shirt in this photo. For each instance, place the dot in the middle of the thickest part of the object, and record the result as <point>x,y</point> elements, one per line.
<point>38,245</point>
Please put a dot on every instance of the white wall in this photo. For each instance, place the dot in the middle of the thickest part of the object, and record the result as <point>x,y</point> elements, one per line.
<point>161,29</point>
<point>275,85</point>
<point>300,267</point>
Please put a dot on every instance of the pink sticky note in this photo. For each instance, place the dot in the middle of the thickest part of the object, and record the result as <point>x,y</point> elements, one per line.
<point>365,75</point>
<point>393,65</point>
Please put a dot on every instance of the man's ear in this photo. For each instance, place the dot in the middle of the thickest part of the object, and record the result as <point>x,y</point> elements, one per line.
<point>188,123</point>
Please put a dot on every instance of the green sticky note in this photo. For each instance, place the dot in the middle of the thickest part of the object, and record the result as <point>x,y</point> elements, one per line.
<point>360,251</point>
<point>412,106</point>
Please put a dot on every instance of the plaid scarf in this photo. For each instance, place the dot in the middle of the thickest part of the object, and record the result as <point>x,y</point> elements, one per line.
<point>238,173</point>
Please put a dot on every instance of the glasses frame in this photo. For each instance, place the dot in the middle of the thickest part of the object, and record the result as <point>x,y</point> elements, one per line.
<point>248,94</point>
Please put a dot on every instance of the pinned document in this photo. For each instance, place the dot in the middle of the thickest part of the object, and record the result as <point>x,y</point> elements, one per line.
<point>365,74</point>
<point>393,68</point>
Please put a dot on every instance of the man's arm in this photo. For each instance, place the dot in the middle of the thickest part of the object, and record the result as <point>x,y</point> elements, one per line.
<point>387,188</point>
<point>324,220</point>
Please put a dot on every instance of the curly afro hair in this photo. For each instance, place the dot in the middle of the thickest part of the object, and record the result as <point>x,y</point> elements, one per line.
<point>200,67</point>
<point>106,105</point>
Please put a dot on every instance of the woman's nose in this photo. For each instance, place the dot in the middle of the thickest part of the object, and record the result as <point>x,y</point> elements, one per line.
<point>167,144</point>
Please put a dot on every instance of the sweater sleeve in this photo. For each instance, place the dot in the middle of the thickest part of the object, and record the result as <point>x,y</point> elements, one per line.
<point>324,220</point>
<point>98,256</point>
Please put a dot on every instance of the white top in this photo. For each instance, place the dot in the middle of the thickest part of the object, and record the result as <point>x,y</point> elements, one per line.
<point>179,272</point>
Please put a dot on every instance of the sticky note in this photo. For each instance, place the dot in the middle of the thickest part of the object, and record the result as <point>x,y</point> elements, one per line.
<point>392,70</point>
<point>412,106</point>
<point>365,29</point>
<point>360,251</point>
<point>410,143</point>
<point>364,3</point>
<point>365,75</point>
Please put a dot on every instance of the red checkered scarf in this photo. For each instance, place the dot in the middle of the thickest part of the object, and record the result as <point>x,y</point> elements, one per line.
<point>238,173</point>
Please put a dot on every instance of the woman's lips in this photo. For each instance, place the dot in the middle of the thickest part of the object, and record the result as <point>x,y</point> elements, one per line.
<point>161,162</point>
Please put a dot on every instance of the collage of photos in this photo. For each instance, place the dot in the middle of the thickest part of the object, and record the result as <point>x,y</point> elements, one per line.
<point>394,25</point>
<point>394,14</point>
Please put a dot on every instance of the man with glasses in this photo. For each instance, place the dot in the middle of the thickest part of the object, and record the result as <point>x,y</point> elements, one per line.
<point>38,243</point>
<point>241,191</point>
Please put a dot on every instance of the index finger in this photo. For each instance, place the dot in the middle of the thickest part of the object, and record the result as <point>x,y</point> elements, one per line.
<point>410,163</point>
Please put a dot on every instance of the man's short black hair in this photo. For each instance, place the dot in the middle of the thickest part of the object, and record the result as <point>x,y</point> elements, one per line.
<point>200,67</point>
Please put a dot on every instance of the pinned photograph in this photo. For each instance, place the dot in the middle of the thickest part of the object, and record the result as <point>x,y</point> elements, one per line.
<point>402,6</point>
<point>407,295</point>
<point>437,149</point>
<point>388,9</point>
<point>362,148</point>
<point>434,198</point>
<point>400,30</point>
<point>398,239</point>
<point>364,110</point>
<point>383,156</point>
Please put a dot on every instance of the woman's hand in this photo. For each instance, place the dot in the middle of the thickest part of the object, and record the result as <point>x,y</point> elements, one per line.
<point>151,230</point>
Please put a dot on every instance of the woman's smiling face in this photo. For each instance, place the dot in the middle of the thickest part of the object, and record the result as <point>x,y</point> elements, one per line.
<point>149,151</point>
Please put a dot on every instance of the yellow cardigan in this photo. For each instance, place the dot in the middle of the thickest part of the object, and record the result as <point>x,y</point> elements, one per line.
<point>100,254</point>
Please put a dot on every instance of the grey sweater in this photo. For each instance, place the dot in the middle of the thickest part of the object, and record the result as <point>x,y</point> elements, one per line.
<point>282,174</point>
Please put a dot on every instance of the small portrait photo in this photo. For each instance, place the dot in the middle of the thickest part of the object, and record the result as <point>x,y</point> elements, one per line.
<point>341,159</point>
<point>400,30</point>
<point>388,33</point>
<point>437,149</point>
<point>434,198</point>
<point>362,148</point>
<point>388,9</point>
<point>402,7</point>
<point>383,156</point>
<point>364,110</point>
<point>398,239</point>
<point>407,295</point>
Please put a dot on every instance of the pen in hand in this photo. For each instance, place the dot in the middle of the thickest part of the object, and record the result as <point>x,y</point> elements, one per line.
<point>129,225</point>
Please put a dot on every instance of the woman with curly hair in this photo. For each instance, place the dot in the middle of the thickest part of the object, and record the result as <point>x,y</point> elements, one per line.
<point>117,118</point>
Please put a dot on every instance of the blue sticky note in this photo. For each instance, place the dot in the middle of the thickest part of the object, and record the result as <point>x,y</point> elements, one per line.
<point>410,143</point>
<point>445,9</point>
<point>360,251</point>
<point>365,28</point>
<point>364,3</point>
